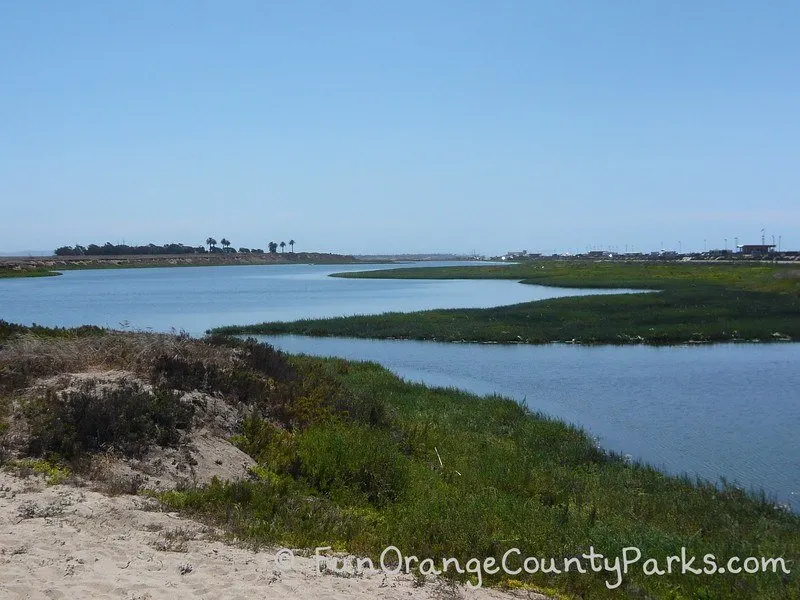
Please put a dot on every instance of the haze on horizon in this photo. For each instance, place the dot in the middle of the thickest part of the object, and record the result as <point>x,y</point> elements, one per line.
<point>415,126</point>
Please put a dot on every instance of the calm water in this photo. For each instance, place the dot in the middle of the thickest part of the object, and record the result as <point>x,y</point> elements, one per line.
<point>716,411</point>
<point>197,298</point>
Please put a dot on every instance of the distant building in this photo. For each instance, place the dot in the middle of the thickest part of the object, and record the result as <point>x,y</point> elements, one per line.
<point>756,248</point>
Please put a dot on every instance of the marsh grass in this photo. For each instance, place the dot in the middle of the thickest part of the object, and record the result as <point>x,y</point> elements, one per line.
<point>7,273</point>
<point>693,303</point>
<point>599,274</point>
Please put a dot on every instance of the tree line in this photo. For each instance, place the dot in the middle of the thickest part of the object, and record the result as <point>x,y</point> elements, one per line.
<point>226,246</point>
<point>109,249</point>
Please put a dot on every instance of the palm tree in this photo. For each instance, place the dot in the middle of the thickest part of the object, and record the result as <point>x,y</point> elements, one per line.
<point>291,243</point>
<point>273,247</point>
<point>283,246</point>
<point>211,242</point>
<point>225,243</point>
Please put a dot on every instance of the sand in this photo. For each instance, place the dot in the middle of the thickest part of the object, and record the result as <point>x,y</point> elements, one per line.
<point>62,541</point>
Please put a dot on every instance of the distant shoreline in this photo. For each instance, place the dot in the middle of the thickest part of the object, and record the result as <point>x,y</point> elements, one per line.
<point>42,266</point>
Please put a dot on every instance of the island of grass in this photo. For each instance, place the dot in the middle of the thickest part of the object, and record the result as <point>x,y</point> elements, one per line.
<point>9,272</point>
<point>347,455</point>
<point>694,303</point>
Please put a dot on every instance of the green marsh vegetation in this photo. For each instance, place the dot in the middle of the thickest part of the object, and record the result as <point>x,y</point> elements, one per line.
<point>6,273</point>
<point>350,456</point>
<point>690,303</point>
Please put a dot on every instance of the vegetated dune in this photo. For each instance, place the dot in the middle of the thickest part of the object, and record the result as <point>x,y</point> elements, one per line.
<point>114,407</point>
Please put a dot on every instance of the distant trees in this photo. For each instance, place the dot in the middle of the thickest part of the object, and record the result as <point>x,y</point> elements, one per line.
<point>226,245</point>
<point>109,249</point>
<point>76,250</point>
<point>273,246</point>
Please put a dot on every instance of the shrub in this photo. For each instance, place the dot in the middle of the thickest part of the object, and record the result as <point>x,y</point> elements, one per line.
<point>341,458</point>
<point>125,418</point>
<point>176,372</point>
<point>365,408</point>
<point>262,358</point>
<point>268,444</point>
<point>179,373</point>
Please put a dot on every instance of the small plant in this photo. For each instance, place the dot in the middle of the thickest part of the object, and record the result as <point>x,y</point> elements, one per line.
<point>53,474</point>
<point>174,540</point>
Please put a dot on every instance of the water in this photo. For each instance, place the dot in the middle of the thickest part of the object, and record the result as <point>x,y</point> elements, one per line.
<point>725,410</point>
<point>194,299</point>
<point>716,411</point>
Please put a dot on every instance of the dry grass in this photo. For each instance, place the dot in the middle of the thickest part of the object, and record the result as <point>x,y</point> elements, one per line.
<point>30,357</point>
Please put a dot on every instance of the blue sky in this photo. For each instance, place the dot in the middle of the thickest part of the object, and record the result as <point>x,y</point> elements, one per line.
<point>412,126</point>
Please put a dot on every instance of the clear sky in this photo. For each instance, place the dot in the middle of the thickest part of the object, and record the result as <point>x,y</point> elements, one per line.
<point>413,126</point>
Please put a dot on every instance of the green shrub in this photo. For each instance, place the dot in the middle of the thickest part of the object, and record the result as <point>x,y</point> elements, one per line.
<point>345,458</point>
<point>268,444</point>
<point>365,408</point>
